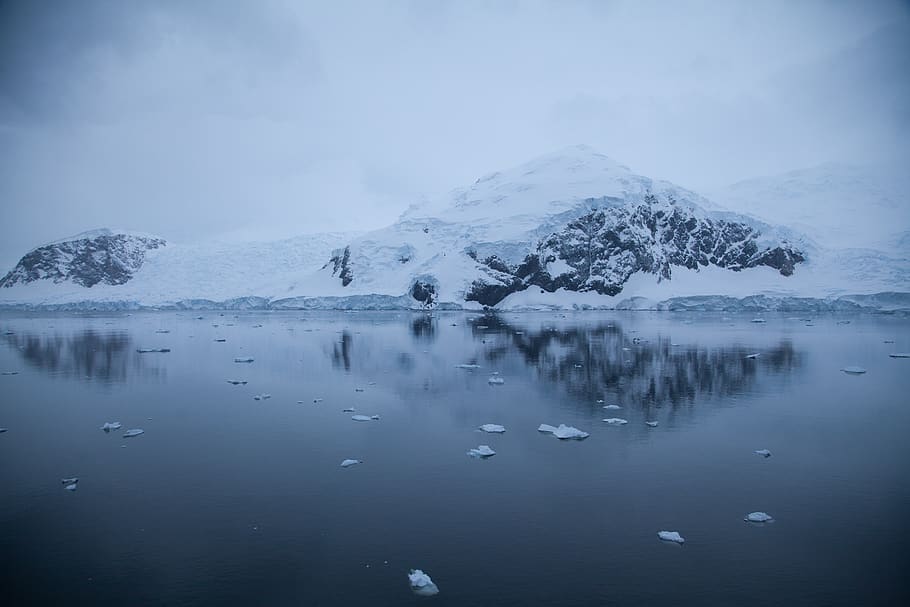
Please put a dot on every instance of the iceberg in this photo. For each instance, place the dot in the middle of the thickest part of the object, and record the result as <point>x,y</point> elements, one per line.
<point>671,536</point>
<point>762,452</point>
<point>482,452</point>
<point>70,481</point>
<point>350,462</point>
<point>563,432</point>
<point>854,370</point>
<point>262,397</point>
<point>421,583</point>
<point>243,359</point>
<point>71,487</point>
<point>616,421</point>
<point>612,407</point>
<point>493,428</point>
<point>651,424</point>
<point>496,381</point>
<point>758,517</point>
<point>133,432</point>
<point>108,426</point>
<point>752,356</point>
<point>364,418</point>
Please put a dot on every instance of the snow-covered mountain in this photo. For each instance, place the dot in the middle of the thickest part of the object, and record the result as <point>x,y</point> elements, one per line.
<point>568,228</point>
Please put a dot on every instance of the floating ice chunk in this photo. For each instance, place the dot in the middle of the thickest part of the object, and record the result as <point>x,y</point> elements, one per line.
<point>854,370</point>
<point>374,418</point>
<point>162,331</point>
<point>616,421</point>
<point>152,350</point>
<point>493,428</point>
<point>758,320</point>
<point>611,407</point>
<point>350,462</point>
<point>758,517</point>
<point>262,397</point>
<point>2,430</point>
<point>900,355</point>
<point>70,481</point>
<point>578,366</point>
<point>358,389</point>
<point>348,410</point>
<point>651,424</point>
<point>237,382</point>
<point>843,322</point>
<point>671,536</point>
<point>71,487</point>
<point>364,418</point>
<point>318,400</point>
<point>496,381</point>
<point>756,355</point>
<point>108,426</point>
<point>221,340</point>
<point>762,452</point>
<point>243,359</point>
<point>467,366</point>
<point>9,373</point>
<point>421,583</point>
<point>600,401</point>
<point>563,432</point>
<point>133,432</point>
<point>483,452</point>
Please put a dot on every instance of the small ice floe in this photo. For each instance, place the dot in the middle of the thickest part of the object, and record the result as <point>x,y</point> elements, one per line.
<point>358,389</point>
<point>257,326</point>
<point>317,400</point>
<point>108,426</point>
<point>900,355</point>
<point>467,366</point>
<point>70,484</point>
<point>563,432</point>
<point>493,428</point>
<point>162,331</point>
<point>365,418</point>
<point>133,432</point>
<point>9,373</point>
<point>854,370</point>
<point>758,517</point>
<point>755,355</point>
<point>671,536</point>
<point>237,382</point>
<point>152,350</point>
<point>371,383</point>
<point>758,320</point>
<point>2,430</point>
<point>348,410</point>
<point>651,424</point>
<point>243,359</point>
<point>495,380</point>
<point>843,322</point>
<point>220,340</point>
<point>421,584</point>
<point>482,327</point>
<point>600,401</point>
<point>616,421</point>
<point>350,462</point>
<point>262,397</point>
<point>762,452</point>
<point>611,407</point>
<point>481,452</point>
<point>578,366</point>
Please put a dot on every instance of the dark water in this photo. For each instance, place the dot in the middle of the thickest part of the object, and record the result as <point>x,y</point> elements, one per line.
<point>230,501</point>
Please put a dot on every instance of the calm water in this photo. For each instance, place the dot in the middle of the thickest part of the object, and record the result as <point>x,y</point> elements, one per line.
<point>230,501</point>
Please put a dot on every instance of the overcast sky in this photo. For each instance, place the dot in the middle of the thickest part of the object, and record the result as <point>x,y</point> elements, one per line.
<point>196,120</point>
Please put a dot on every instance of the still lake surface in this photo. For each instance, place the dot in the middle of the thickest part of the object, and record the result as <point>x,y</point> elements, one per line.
<point>226,500</point>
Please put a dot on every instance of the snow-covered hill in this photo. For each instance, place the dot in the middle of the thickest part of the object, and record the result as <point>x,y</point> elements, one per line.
<point>572,227</point>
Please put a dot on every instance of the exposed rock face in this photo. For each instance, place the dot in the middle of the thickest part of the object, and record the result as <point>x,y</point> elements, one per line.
<point>601,250</point>
<point>424,292</point>
<point>101,257</point>
<point>341,265</point>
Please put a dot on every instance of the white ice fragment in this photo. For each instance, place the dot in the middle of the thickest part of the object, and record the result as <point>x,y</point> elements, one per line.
<point>611,407</point>
<point>616,421</point>
<point>854,370</point>
<point>493,428</point>
<point>671,536</point>
<point>348,410</point>
<point>364,418</point>
<point>374,418</point>
<point>9,373</point>
<point>237,382</point>
<point>133,432</point>
<point>262,397</point>
<point>358,389</point>
<point>152,350</point>
<point>421,583</point>
<point>350,462</point>
<point>108,426</point>
<point>70,481</point>
<point>71,487</point>
<point>600,401</point>
<point>496,381</point>
<point>758,320</point>
<point>755,355</point>
<point>467,366</point>
<point>900,355</point>
<point>317,400</point>
<point>651,424</point>
<point>483,452</point>
<point>563,432</point>
<point>162,331</point>
<point>758,517</point>
<point>762,452</point>
<point>243,359</point>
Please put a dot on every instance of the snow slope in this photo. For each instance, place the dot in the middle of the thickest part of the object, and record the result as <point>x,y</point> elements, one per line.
<point>570,228</point>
